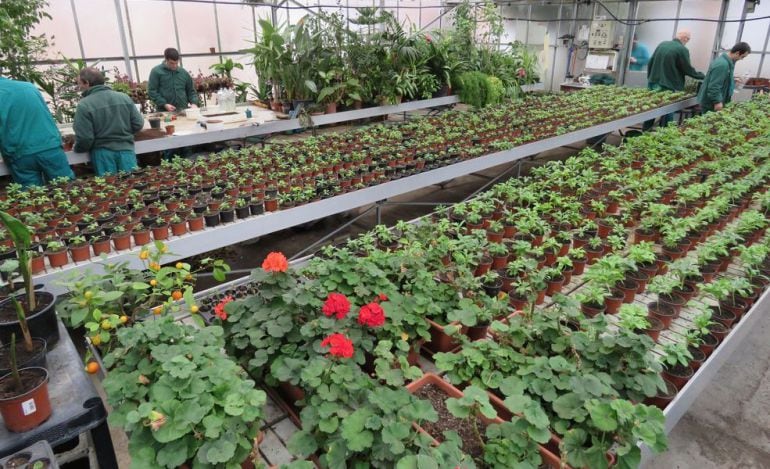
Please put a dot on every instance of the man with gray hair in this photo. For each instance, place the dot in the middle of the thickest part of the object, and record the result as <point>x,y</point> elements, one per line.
<point>668,66</point>
<point>105,124</point>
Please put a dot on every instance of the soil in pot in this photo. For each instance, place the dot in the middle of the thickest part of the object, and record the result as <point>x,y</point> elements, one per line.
<point>25,359</point>
<point>592,309</point>
<point>42,321</point>
<point>698,357</point>
<point>446,421</point>
<point>662,312</point>
<point>673,300</point>
<point>678,374</point>
<point>723,316</point>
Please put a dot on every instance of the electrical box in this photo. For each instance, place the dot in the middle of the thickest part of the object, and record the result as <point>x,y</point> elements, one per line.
<point>602,34</point>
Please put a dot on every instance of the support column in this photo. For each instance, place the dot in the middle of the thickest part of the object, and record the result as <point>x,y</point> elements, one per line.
<point>123,42</point>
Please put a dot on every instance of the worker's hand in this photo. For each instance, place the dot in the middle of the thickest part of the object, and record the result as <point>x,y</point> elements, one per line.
<point>170,107</point>
<point>718,106</point>
<point>632,60</point>
<point>193,105</point>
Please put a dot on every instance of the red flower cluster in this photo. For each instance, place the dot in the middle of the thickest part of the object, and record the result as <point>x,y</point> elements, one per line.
<point>371,315</point>
<point>219,310</point>
<point>521,72</point>
<point>336,305</point>
<point>339,345</point>
<point>382,297</point>
<point>275,262</point>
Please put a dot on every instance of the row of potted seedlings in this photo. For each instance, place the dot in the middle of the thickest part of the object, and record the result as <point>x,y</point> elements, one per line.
<point>74,220</point>
<point>338,338</point>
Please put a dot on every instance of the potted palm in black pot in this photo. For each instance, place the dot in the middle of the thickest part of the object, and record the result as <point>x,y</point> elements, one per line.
<point>37,306</point>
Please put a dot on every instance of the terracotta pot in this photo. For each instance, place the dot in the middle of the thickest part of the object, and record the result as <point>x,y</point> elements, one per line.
<point>196,223</point>
<point>57,258</point>
<point>178,229</point>
<point>141,237</point>
<point>673,300</point>
<point>591,310</point>
<point>37,263</point>
<point>628,287</point>
<point>613,302</point>
<point>80,253</point>
<point>678,375</point>
<point>663,398</point>
<point>662,312</point>
<point>554,286</point>
<point>579,266</point>
<point>439,340</point>
<point>656,325</point>
<point>271,205</point>
<point>709,344</point>
<point>101,246</point>
<point>160,232</point>
<point>30,408</point>
<point>121,241</point>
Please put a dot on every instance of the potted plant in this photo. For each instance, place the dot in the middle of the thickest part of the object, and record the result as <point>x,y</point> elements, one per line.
<point>24,404</point>
<point>79,248</point>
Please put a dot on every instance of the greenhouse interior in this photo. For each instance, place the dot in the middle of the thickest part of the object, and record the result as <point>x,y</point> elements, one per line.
<point>417,234</point>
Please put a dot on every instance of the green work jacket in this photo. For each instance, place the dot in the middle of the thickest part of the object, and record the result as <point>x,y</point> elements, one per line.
<point>26,125</point>
<point>106,119</point>
<point>173,87</point>
<point>668,66</point>
<point>719,84</point>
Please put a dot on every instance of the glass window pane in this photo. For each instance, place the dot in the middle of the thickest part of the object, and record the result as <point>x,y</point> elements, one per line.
<point>653,33</point>
<point>515,29</point>
<point>703,33</point>
<point>99,28</point>
<point>197,28</point>
<point>152,26</point>
<point>236,26</point>
<point>61,27</point>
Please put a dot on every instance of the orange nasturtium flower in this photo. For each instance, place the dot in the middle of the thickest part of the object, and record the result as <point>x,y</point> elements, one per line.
<point>275,262</point>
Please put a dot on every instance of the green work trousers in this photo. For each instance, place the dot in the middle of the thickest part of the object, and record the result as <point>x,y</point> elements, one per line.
<point>40,168</point>
<point>107,161</point>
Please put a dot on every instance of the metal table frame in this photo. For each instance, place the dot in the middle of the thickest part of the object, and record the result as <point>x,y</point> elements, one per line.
<point>209,239</point>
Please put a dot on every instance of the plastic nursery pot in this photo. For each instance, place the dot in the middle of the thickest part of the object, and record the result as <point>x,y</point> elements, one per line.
<point>723,316</point>
<point>477,332</point>
<point>628,287</point>
<point>662,399</point>
<point>554,286</point>
<point>678,375</point>
<point>196,223</point>
<point>242,212</point>
<point>141,237</point>
<point>178,229</point>
<point>271,205</point>
<point>591,309</point>
<point>614,301</point>
<point>34,359</point>
<point>227,216</point>
<point>101,245</point>
<point>37,263</point>
<point>41,322</point>
<point>662,312</point>
<point>212,218</point>
<point>80,253</point>
<point>673,300</point>
<point>698,357</point>
<point>57,258</point>
<point>25,409</point>
<point>735,306</point>
<point>656,326</point>
<point>121,241</point>
<point>159,232</point>
<point>439,340</point>
<point>257,207</point>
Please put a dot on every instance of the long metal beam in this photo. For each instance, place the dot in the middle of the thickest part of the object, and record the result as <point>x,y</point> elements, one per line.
<point>225,235</point>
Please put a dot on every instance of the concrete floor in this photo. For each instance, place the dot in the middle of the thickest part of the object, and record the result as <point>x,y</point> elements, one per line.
<point>728,426</point>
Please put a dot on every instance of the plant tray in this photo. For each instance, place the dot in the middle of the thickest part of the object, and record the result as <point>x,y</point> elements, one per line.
<point>38,451</point>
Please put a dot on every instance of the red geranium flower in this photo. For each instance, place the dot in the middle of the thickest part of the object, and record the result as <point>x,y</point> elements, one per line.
<point>275,262</point>
<point>219,310</point>
<point>371,315</point>
<point>339,345</point>
<point>336,305</point>
<point>382,297</point>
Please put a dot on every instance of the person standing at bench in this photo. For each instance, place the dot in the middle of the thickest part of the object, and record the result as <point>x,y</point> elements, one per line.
<point>719,84</point>
<point>170,86</point>
<point>30,143</point>
<point>667,67</point>
<point>105,124</point>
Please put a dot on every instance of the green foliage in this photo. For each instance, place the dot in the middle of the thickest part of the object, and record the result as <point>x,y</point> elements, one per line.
<point>180,398</point>
<point>19,48</point>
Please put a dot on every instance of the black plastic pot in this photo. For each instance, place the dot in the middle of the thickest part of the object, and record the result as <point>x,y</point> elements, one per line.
<point>227,216</point>
<point>212,219</point>
<point>257,208</point>
<point>243,212</point>
<point>42,322</point>
<point>36,360</point>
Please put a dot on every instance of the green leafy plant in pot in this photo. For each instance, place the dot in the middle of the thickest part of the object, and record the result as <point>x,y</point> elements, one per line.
<point>37,306</point>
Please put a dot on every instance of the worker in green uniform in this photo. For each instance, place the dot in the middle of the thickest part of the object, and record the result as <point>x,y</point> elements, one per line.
<point>170,86</point>
<point>105,124</point>
<point>30,143</point>
<point>667,67</point>
<point>719,84</point>
<point>640,56</point>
